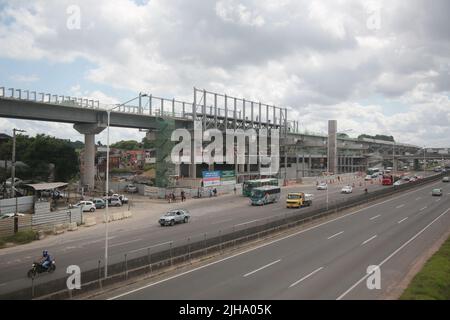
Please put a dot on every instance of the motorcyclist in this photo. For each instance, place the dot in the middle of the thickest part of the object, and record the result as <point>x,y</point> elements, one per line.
<point>45,260</point>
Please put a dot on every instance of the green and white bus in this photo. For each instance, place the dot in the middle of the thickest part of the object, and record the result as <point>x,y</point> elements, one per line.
<point>249,185</point>
<point>265,195</point>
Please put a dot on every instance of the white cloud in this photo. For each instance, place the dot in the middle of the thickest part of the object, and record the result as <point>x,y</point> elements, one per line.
<point>320,59</point>
<point>25,78</point>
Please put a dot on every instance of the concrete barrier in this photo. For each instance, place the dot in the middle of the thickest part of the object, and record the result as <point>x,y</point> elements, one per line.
<point>117,216</point>
<point>40,234</point>
<point>73,226</point>
<point>59,229</point>
<point>127,214</point>
<point>89,221</point>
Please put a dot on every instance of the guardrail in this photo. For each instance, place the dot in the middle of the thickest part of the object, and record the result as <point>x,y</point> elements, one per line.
<point>153,258</point>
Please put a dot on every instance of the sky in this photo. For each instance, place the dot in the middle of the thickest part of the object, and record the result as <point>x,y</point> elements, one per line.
<point>378,67</point>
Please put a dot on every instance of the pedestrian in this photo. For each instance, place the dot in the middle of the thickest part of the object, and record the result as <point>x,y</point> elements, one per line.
<point>210,193</point>
<point>215,192</point>
<point>173,197</point>
<point>234,189</point>
<point>183,196</point>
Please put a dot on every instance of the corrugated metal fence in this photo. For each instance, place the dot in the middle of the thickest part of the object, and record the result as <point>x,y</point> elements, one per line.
<point>24,205</point>
<point>43,218</point>
<point>7,225</point>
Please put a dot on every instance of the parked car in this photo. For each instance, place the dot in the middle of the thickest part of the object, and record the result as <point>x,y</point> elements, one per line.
<point>398,183</point>
<point>436,192</point>
<point>446,179</point>
<point>174,216</point>
<point>347,189</point>
<point>86,206</point>
<point>99,203</point>
<point>121,197</point>
<point>114,201</point>
<point>17,181</point>
<point>322,186</point>
<point>131,188</point>
<point>368,177</point>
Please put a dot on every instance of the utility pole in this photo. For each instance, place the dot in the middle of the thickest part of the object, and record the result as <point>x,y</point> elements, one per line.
<point>393,161</point>
<point>13,178</point>
<point>424,165</point>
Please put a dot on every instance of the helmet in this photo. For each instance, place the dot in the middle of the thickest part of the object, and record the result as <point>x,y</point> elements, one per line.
<point>45,253</point>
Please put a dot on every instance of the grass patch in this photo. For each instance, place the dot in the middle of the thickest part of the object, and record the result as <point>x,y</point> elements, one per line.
<point>433,281</point>
<point>21,237</point>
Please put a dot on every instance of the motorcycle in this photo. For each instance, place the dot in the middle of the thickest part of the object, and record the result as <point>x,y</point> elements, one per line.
<point>38,268</point>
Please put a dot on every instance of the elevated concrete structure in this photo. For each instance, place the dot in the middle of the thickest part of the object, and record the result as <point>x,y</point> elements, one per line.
<point>301,154</point>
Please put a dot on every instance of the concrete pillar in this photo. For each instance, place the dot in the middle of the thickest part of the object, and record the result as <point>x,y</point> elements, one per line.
<point>89,131</point>
<point>310,166</point>
<point>332,146</point>
<point>303,165</point>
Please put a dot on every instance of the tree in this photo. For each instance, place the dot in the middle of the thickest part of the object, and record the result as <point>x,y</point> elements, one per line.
<point>377,137</point>
<point>127,145</point>
<point>342,135</point>
<point>40,151</point>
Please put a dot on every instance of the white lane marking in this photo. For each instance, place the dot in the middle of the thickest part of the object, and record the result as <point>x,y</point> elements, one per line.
<point>368,240</point>
<point>263,267</point>
<point>373,218</point>
<point>418,198</point>
<point>306,277</point>
<point>153,246</point>
<point>244,223</point>
<point>335,235</point>
<point>402,220</point>
<point>221,221</point>
<point>437,200</point>
<point>423,208</point>
<point>124,243</point>
<point>393,254</point>
<point>400,206</point>
<point>266,244</point>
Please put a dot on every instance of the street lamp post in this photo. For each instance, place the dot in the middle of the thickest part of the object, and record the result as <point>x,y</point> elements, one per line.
<point>13,177</point>
<point>393,160</point>
<point>424,165</point>
<point>107,178</point>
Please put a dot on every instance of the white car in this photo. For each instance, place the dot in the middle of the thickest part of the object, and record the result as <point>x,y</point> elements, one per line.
<point>398,183</point>
<point>322,186</point>
<point>86,205</point>
<point>368,177</point>
<point>131,188</point>
<point>347,189</point>
<point>16,182</point>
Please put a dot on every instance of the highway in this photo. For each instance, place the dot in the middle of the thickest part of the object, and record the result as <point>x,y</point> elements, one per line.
<point>325,261</point>
<point>208,216</point>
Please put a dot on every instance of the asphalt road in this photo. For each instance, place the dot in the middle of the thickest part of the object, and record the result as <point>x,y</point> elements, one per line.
<point>208,216</point>
<point>326,261</point>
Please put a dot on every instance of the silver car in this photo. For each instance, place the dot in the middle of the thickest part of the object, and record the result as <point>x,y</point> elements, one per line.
<point>174,216</point>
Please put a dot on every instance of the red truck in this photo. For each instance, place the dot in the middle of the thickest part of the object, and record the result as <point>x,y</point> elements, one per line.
<point>387,180</point>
